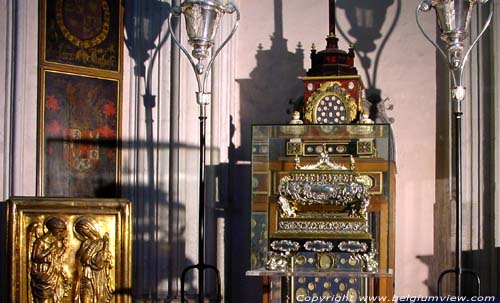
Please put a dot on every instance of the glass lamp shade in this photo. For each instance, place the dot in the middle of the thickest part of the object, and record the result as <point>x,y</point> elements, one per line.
<point>202,21</point>
<point>453,19</point>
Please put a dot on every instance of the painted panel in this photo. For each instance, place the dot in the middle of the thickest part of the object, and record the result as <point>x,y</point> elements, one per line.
<point>79,130</point>
<point>82,33</point>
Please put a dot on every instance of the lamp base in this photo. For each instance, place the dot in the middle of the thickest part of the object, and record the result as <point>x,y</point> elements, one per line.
<point>202,268</point>
<point>459,272</point>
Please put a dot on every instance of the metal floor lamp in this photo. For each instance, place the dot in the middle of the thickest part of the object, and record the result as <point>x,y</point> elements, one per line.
<point>202,18</point>
<point>453,20</point>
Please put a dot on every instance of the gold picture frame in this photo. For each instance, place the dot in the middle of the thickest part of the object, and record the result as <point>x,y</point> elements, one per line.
<point>69,250</point>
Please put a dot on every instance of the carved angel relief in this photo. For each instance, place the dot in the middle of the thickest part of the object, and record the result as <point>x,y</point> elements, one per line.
<point>49,280</point>
<point>48,255</point>
<point>92,263</point>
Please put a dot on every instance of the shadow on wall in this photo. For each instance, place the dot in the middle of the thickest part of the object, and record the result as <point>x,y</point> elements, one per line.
<point>239,287</point>
<point>264,99</point>
<point>366,19</point>
<point>158,238</point>
<point>158,242</point>
<point>143,27</point>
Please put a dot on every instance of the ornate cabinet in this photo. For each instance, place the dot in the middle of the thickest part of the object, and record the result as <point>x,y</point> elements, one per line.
<point>322,212</point>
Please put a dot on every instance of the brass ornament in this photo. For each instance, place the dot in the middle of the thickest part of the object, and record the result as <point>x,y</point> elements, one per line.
<point>327,294</point>
<point>330,89</point>
<point>326,262</point>
<point>365,147</point>
<point>294,148</point>
<point>342,287</point>
<point>311,286</point>
<point>352,295</point>
<point>300,294</point>
<point>300,260</point>
<point>353,261</point>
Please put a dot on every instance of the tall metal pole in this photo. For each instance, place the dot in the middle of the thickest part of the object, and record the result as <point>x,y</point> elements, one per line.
<point>202,19</point>
<point>201,210</point>
<point>458,205</point>
<point>453,17</point>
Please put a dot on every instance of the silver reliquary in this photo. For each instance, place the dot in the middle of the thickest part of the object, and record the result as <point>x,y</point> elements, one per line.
<point>320,209</point>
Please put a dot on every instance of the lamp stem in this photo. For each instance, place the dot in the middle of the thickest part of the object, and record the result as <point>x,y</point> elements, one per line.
<point>203,100</point>
<point>201,206</point>
<point>458,198</point>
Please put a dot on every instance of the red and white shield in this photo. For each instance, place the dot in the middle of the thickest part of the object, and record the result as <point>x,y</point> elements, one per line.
<point>81,150</point>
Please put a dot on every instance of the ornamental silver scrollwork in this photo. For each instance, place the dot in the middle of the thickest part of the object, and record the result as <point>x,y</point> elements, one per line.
<point>318,246</point>
<point>285,245</point>
<point>322,189</point>
<point>277,261</point>
<point>287,209</point>
<point>324,163</point>
<point>353,246</point>
<point>323,227</point>
<point>368,261</point>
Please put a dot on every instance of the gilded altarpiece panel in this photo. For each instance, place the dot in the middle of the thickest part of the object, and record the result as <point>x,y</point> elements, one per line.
<point>65,250</point>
